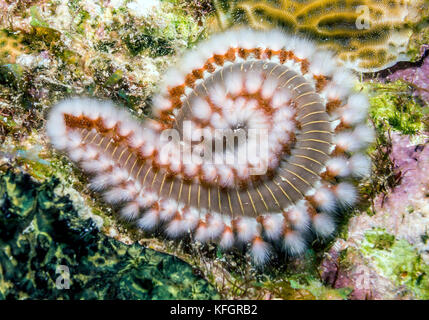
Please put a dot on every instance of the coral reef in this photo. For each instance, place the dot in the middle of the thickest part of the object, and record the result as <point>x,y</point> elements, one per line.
<point>49,252</point>
<point>367,35</point>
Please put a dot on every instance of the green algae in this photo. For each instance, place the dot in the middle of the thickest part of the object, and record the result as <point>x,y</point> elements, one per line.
<point>36,18</point>
<point>397,260</point>
<point>41,235</point>
<point>392,105</point>
<point>321,291</point>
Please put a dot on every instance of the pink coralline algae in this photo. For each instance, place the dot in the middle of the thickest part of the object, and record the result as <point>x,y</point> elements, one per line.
<point>417,76</point>
<point>412,161</point>
<point>402,213</point>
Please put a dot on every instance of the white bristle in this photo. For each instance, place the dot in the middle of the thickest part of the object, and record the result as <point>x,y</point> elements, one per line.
<point>344,78</point>
<point>218,96</point>
<point>260,251</point>
<point>273,225</point>
<point>280,98</point>
<point>147,149</point>
<point>110,122</point>
<point>276,40</point>
<point>118,194</point>
<point>191,168</point>
<point>324,199</point>
<point>209,172</point>
<point>173,78</point>
<point>335,124</point>
<point>130,211</point>
<point>269,87</point>
<point>125,127</point>
<point>193,60</point>
<point>253,82</point>
<point>227,239</point>
<point>190,219</point>
<point>346,193</point>
<point>140,137</point>
<point>77,154</point>
<point>225,176</point>
<point>356,109</point>
<point>358,102</point>
<point>117,176</point>
<point>294,243</point>
<point>102,181</point>
<point>338,166</point>
<point>351,116</point>
<point>92,111</point>
<point>146,199</point>
<point>242,171</point>
<point>346,141</point>
<point>303,48</point>
<point>201,109</point>
<point>110,116</point>
<point>323,224</point>
<point>246,229</point>
<point>215,226</point>
<point>364,134</point>
<point>98,165</point>
<point>99,182</point>
<point>298,215</point>
<point>74,140</point>
<point>323,63</point>
<point>234,83</point>
<point>334,92</point>
<point>160,104</point>
<point>202,234</point>
<point>360,165</point>
<point>218,121</point>
<point>90,153</point>
<point>175,228</point>
<point>149,220</point>
<point>168,209</point>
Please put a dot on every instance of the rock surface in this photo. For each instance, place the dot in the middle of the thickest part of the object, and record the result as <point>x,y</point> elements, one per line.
<point>48,252</point>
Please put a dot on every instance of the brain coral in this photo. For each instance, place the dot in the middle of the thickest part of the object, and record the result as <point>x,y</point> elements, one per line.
<point>368,35</point>
<point>302,129</point>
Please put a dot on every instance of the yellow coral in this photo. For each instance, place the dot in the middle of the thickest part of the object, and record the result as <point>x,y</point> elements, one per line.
<point>10,47</point>
<point>368,35</point>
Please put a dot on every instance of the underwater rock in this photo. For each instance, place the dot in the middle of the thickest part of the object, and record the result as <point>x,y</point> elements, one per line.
<point>368,35</point>
<point>386,253</point>
<point>417,76</point>
<point>48,252</point>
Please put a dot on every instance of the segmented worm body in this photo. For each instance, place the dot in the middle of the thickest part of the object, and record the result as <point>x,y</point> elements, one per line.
<point>281,93</point>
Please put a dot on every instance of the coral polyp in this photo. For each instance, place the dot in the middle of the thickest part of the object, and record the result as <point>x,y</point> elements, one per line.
<point>302,132</point>
<point>368,35</point>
